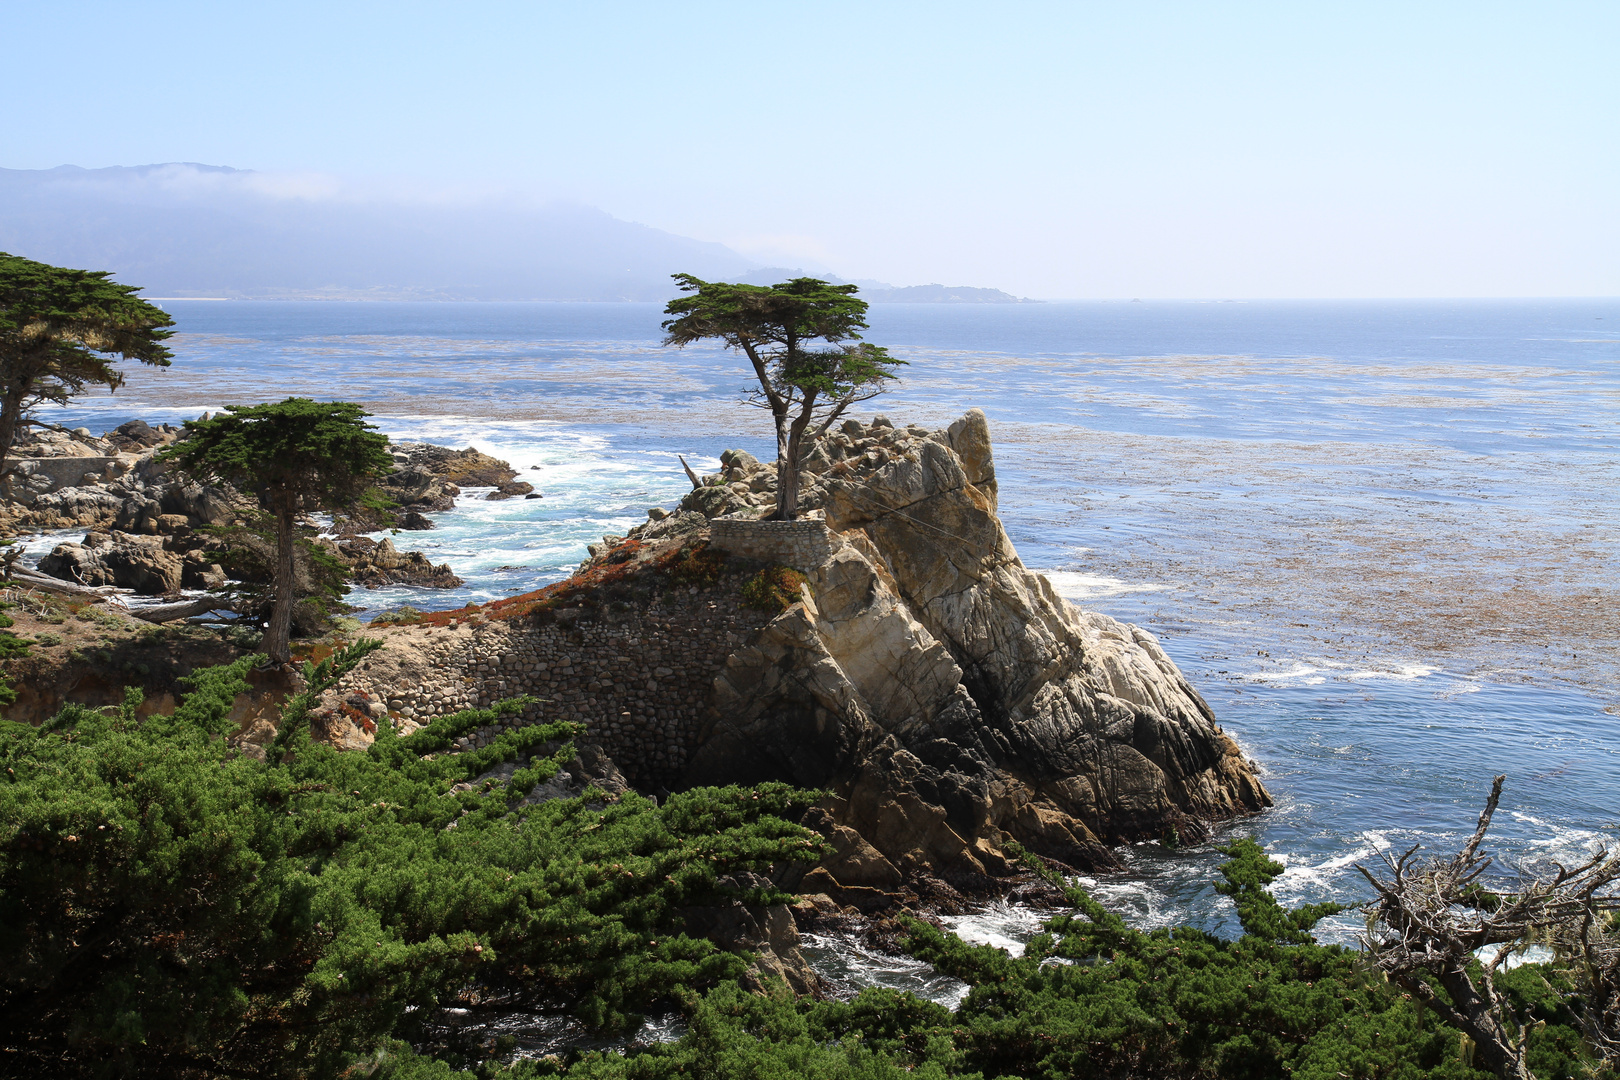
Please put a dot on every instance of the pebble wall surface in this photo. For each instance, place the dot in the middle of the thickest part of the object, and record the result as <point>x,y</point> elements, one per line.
<point>639,679</point>
<point>803,544</point>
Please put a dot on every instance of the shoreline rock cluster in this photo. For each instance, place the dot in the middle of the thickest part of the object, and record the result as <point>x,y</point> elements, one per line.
<point>426,480</point>
<point>144,522</point>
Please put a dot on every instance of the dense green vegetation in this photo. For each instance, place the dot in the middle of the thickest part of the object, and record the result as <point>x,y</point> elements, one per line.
<point>1092,997</point>
<point>11,647</point>
<point>170,908</point>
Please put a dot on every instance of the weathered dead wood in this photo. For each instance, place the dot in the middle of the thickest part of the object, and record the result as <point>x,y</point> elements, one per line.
<point>1434,918</point>
<point>184,609</point>
<point>690,475</point>
<point>32,579</point>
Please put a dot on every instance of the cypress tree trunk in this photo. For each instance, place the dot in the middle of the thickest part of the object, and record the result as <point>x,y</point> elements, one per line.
<point>787,472</point>
<point>277,640</point>
<point>789,449</point>
<point>11,408</point>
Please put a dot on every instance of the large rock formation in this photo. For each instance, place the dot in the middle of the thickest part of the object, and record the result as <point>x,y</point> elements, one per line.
<point>114,482</point>
<point>948,696</point>
<point>426,480</point>
<point>144,516</point>
<point>148,565</point>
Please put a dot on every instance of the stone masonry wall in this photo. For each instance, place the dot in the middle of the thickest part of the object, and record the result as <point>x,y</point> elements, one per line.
<point>801,544</point>
<point>40,476</point>
<point>640,680</point>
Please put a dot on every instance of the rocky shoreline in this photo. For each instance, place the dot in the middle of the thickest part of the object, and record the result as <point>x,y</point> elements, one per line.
<point>147,528</point>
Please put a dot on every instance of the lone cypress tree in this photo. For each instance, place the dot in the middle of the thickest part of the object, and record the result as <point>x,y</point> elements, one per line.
<point>295,456</point>
<point>777,328</point>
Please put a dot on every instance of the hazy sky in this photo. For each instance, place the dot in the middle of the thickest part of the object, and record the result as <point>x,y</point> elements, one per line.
<point>1052,149</point>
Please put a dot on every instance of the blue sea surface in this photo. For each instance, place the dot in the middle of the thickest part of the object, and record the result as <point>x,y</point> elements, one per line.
<point>1381,537</point>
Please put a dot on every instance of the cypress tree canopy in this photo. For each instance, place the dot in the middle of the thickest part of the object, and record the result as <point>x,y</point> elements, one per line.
<point>62,330</point>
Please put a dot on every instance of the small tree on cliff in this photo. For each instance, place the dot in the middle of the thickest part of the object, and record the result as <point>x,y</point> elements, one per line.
<point>296,456</point>
<point>778,328</point>
<point>60,331</point>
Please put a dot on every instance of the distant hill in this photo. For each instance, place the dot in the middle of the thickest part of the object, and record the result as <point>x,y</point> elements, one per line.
<point>201,230</point>
<point>184,229</point>
<point>941,294</point>
<point>881,292</point>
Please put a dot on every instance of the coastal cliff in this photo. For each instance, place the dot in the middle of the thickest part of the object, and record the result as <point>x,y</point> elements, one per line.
<point>944,696</point>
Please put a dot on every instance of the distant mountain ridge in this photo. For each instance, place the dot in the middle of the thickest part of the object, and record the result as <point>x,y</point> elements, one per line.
<point>881,292</point>
<point>186,229</point>
<point>199,230</point>
<point>942,294</point>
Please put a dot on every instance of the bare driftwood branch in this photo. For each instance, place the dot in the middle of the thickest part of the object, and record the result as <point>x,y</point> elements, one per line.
<point>1434,919</point>
<point>33,579</point>
<point>690,475</point>
<point>184,609</point>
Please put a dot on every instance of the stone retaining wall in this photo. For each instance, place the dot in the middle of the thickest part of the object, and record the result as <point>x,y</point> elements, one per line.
<point>802,544</point>
<point>641,680</point>
<point>40,476</point>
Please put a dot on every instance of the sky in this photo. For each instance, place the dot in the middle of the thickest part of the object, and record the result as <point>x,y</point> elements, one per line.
<point>1055,150</point>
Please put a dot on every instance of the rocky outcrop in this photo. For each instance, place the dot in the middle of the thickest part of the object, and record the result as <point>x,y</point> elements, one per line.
<point>463,468</point>
<point>947,695</point>
<point>143,516</point>
<point>374,565</point>
<point>417,489</point>
<point>147,565</point>
<point>512,489</point>
<point>426,480</point>
<point>129,491</point>
<point>136,436</point>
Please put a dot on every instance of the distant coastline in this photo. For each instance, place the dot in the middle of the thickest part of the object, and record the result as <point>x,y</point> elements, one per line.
<point>942,294</point>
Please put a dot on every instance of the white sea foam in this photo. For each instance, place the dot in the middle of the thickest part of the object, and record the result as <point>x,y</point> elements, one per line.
<point>852,967</point>
<point>1006,926</point>
<point>1314,671</point>
<point>1300,877</point>
<point>1301,674</point>
<point>1076,586</point>
<point>1402,673</point>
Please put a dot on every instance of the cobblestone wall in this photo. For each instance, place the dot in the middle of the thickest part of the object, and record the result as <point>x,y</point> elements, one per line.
<point>801,544</point>
<point>640,680</point>
<point>42,475</point>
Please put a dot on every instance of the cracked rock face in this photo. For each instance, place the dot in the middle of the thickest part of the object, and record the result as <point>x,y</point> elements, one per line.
<point>950,699</point>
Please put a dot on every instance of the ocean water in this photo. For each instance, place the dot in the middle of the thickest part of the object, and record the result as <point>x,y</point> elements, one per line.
<point>1381,537</point>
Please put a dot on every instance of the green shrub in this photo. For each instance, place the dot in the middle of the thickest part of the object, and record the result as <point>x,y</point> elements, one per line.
<point>92,613</point>
<point>775,588</point>
<point>404,615</point>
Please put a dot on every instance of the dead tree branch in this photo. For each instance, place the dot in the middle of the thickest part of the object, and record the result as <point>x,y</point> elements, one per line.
<point>1434,919</point>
